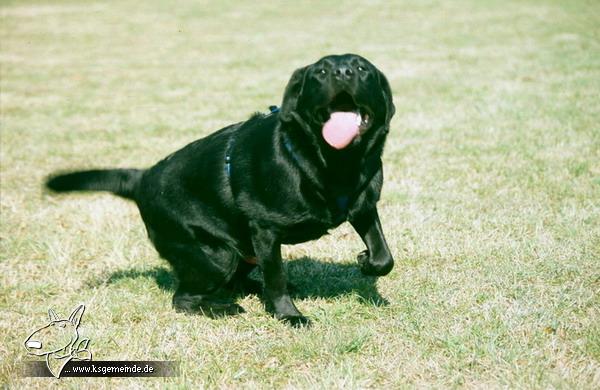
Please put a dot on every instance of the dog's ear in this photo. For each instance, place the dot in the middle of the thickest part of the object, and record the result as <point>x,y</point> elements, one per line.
<point>76,315</point>
<point>387,96</point>
<point>291,94</point>
<point>52,315</point>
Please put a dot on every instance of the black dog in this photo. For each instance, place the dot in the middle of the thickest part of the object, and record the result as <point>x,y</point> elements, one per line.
<point>281,178</point>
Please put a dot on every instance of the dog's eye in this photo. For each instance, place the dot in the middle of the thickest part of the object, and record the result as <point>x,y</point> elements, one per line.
<point>322,71</point>
<point>361,69</point>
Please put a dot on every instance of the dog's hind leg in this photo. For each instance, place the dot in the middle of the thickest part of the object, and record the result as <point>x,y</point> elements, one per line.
<point>202,271</point>
<point>241,283</point>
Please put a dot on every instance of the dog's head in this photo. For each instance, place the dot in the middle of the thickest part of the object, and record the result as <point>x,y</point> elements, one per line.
<point>337,84</point>
<point>57,335</point>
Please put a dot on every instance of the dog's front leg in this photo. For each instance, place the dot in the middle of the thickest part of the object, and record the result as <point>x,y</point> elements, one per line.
<point>267,247</point>
<point>377,260</point>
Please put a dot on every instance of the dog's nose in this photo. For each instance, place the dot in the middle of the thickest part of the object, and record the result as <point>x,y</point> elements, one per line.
<point>344,71</point>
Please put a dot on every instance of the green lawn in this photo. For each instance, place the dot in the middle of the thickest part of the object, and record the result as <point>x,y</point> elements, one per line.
<point>491,203</point>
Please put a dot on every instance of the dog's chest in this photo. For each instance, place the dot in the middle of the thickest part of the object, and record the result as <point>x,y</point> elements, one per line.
<point>316,223</point>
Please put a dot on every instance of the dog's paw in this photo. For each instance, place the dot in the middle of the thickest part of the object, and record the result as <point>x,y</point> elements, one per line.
<point>362,258</point>
<point>223,310</point>
<point>297,321</point>
<point>374,268</point>
<point>198,304</point>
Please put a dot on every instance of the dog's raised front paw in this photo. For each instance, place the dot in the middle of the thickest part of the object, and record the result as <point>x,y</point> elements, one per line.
<point>374,268</point>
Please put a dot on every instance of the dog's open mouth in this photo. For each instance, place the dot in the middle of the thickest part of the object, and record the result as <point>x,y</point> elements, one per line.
<point>344,102</point>
<point>343,120</point>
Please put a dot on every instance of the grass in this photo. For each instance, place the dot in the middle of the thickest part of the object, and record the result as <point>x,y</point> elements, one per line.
<point>491,203</point>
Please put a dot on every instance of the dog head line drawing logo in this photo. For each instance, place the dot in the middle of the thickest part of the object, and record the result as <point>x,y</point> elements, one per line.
<point>59,341</point>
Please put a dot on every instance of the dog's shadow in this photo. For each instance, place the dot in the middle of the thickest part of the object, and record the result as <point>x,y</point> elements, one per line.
<point>309,278</point>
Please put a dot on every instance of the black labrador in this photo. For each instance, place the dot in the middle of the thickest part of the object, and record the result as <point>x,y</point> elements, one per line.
<point>225,203</point>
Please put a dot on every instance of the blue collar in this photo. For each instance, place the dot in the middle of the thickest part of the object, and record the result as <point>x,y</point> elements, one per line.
<point>274,110</point>
<point>286,139</point>
<point>287,142</point>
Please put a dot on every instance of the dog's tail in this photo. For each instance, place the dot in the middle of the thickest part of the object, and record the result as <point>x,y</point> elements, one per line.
<point>122,182</point>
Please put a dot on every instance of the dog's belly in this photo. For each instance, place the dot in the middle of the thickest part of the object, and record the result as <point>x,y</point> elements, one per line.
<point>305,231</point>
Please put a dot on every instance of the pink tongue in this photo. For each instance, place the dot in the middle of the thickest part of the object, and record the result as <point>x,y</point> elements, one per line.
<point>341,129</point>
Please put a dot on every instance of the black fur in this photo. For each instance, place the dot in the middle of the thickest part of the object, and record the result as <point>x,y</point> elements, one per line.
<point>121,182</point>
<point>281,184</point>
